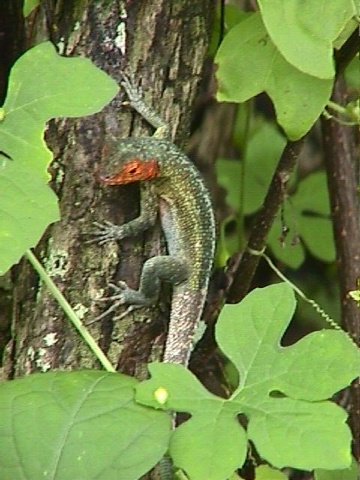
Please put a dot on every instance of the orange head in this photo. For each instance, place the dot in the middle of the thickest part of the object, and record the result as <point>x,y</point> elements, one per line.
<point>134,170</point>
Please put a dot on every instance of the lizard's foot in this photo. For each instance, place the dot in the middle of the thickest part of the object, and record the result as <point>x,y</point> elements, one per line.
<point>106,232</point>
<point>134,93</point>
<point>122,295</point>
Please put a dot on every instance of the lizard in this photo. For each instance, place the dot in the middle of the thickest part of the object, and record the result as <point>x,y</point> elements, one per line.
<point>172,189</point>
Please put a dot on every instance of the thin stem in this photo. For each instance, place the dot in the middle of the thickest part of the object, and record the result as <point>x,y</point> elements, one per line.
<point>336,107</point>
<point>64,304</point>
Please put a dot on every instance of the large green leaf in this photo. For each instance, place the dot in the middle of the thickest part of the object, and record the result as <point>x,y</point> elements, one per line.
<point>78,425</point>
<point>283,393</point>
<point>352,473</point>
<point>304,32</point>
<point>42,85</point>
<point>249,63</point>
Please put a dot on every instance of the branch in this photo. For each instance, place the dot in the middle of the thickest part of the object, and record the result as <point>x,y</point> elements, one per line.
<point>242,270</point>
<point>340,156</point>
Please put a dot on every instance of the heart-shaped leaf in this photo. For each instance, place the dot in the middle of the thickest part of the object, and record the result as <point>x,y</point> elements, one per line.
<point>80,425</point>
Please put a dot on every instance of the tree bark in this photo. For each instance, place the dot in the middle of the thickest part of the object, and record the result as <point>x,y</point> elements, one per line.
<point>163,45</point>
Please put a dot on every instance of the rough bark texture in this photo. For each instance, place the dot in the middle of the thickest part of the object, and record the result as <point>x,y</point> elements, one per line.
<point>163,44</point>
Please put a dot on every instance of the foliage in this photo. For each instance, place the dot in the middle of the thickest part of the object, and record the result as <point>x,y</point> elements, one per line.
<point>92,420</point>
<point>276,51</point>
<point>40,88</point>
<point>87,424</point>
<point>264,472</point>
<point>78,425</point>
<point>29,6</point>
<point>305,213</point>
<point>278,387</point>
<point>351,473</point>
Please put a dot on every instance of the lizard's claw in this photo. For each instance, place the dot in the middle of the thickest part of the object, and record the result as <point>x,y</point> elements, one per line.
<point>122,295</point>
<point>118,299</point>
<point>106,232</point>
<point>134,93</point>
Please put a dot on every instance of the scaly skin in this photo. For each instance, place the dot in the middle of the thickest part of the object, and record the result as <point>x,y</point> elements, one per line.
<point>172,189</point>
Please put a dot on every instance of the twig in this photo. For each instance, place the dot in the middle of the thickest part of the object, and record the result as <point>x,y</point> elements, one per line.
<point>244,269</point>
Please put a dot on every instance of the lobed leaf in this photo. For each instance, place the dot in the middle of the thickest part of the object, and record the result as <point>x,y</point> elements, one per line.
<point>283,393</point>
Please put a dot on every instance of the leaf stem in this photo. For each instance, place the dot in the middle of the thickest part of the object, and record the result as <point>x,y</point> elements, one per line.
<point>336,107</point>
<point>64,304</point>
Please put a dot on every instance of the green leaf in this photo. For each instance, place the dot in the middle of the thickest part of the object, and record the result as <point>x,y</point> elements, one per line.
<point>264,472</point>
<point>283,393</point>
<point>42,85</point>
<point>304,32</point>
<point>78,425</point>
<point>352,473</point>
<point>287,247</point>
<point>249,63</point>
<point>352,73</point>
<point>355,295</point>
<point>210,445</point>
<point>262,155</point>
<point>228,172</point>
<point>317,234</point>
<point>27,206</point>
<point>29,6</point>
<point>311,195</point>
<point>306,215</point>
<point>305,375</point>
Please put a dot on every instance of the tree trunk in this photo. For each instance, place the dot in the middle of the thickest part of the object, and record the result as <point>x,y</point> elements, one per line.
<point>162,45</point>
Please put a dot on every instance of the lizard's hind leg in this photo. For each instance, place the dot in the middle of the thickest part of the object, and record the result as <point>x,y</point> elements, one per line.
<point>158,269</point>
<point>163,268</point>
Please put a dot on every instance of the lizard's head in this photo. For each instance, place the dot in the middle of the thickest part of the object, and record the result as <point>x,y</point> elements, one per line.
<point>134,170</point>
<point>127,167</point>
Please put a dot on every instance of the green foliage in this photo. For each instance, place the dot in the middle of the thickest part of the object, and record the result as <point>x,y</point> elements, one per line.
<point>261,157</point>
<point>41,87</point>
<point>351,473</point>
<point>264,472</point>
<point>249,64</point>
<point>285,50</point>
<point>78,425</point>
<point>304,32</point>
<point>352,73</point>
<point>306,215</point>
<point>278,387</point>
<point>29,6</point>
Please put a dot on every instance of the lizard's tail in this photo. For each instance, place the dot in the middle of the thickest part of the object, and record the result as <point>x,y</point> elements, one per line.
<point>186,309</point>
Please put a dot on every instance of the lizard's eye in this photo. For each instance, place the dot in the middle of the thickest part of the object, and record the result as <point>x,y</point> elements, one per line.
<point>133,170</point>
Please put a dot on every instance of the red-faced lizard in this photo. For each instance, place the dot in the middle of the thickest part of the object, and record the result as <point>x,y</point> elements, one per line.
<point>173,190</point>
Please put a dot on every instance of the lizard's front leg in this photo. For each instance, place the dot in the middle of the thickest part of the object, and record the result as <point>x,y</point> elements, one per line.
<point>107,231</point>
